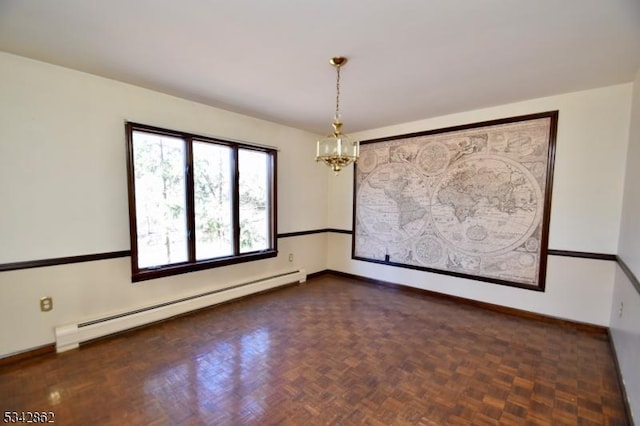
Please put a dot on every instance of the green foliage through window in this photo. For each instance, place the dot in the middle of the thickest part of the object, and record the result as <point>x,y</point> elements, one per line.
<point>197,202</point>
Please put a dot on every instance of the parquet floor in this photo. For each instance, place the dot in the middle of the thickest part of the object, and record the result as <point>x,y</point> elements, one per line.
<point>331,351</point>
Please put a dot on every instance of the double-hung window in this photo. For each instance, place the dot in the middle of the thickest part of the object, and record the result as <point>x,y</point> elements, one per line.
<point>197,202</point>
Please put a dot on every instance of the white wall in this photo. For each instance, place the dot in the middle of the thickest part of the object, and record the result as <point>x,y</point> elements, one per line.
<point>585,215</point>
<point>62,153</point>
<point>629,249</point>
<point>580,290</point>
<point>63,192</point>
<point>625,323</point>
<point>90,290</point>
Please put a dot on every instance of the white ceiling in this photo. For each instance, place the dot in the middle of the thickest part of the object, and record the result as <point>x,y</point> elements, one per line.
<point>408,59</point>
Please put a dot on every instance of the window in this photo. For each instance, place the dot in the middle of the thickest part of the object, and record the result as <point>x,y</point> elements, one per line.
<point>197,202</point>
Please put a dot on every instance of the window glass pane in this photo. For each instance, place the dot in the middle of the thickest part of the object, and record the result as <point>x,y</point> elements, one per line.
<point>254,200</point>
<point>213,200</point>
<point>161,218</point>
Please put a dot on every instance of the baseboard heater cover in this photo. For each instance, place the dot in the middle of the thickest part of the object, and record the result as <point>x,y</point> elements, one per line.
<point>71,335</point>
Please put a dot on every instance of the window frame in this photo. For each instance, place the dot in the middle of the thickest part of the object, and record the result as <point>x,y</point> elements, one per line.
<point>191,265</point>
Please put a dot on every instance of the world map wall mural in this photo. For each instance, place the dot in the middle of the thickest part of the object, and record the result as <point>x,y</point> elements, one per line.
<point>471,201</point>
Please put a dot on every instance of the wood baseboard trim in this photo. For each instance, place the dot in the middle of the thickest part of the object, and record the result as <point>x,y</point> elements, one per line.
<point>50,349</point>
<point>30,354</point>
<point>592,328</point>
<point>623,389</point>
<point>318,274</point>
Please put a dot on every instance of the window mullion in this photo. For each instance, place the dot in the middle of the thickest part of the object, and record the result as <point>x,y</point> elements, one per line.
<point>235,171</point>
<point>273,200</point>
<point>191,215</point>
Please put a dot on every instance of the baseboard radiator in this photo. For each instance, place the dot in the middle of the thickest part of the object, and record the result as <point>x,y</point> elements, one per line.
<point>71,335</point>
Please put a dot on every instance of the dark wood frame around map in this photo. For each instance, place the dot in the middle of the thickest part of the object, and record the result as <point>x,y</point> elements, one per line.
<point>544,239</point>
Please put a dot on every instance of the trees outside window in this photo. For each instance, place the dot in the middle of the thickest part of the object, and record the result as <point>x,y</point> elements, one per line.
<point>197,202</point>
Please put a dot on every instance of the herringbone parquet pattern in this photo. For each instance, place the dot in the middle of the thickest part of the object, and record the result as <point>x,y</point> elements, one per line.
<point>331,351</point>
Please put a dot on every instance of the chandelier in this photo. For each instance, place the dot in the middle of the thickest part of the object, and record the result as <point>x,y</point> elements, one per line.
<point>337,150</point>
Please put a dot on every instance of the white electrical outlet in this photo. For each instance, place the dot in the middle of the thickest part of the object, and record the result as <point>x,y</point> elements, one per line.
<point>621,309</point>
<point>290,257</point>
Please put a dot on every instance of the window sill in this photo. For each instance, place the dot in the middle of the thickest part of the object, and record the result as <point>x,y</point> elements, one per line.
<point>183,268</point>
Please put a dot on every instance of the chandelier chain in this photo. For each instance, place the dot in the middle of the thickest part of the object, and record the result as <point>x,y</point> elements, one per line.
<point>337,116</point>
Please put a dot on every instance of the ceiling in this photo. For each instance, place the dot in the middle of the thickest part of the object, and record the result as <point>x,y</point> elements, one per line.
<point>408,59</point>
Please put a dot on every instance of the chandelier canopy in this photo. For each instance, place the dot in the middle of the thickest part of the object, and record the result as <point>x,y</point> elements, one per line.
<point>337,150</point>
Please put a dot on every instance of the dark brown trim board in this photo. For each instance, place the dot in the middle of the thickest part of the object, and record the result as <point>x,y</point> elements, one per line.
<point>63,260</point>
<point>630,275</point>
<point>49,349</point>
<point>12,266</point>
<point>582,254</point>
<point>623,389</point>
<point>318,274</point>
<point>301,233</point>
<point>315,231</point>
<point>340,231</point>
<point>484,305</point>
